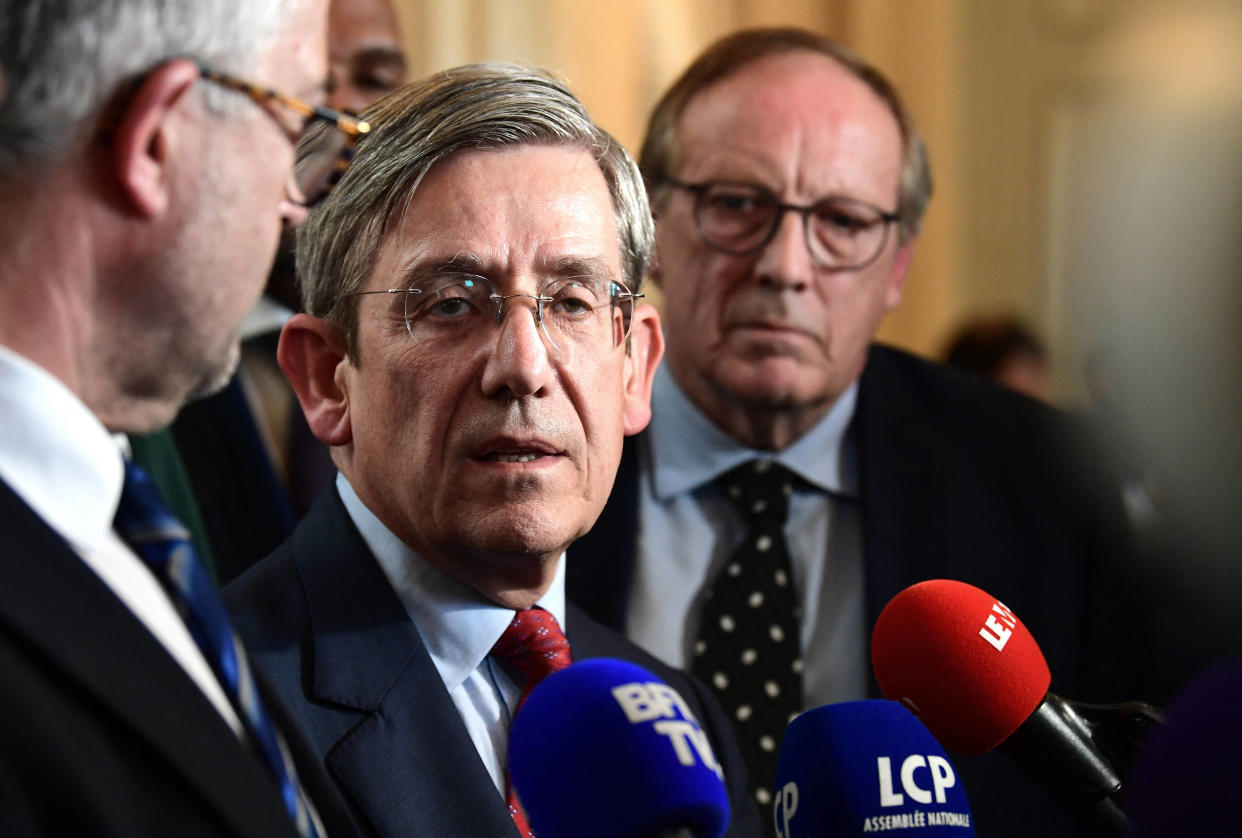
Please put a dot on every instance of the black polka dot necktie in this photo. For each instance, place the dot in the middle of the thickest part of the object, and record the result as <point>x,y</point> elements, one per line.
<point>747,649</point>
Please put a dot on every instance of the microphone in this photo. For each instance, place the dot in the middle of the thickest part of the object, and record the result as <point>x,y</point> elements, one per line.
<point>962,662</point>
<point>860,767</point>
<point>1187,779</point>
<point>605,748</point>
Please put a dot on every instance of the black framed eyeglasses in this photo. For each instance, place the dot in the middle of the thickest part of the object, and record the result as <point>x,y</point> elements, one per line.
<point>842,234</point>
<point>574,314</point>
<point>323,154</point>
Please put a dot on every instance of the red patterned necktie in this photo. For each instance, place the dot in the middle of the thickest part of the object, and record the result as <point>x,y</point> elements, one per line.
<point>535,646</point>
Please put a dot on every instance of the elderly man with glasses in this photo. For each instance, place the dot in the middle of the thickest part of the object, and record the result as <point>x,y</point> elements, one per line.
<point>474,349</point>
<point>146,172</point>
<point>796,476</point>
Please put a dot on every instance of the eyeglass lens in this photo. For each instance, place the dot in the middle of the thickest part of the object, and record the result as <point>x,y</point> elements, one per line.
<point>323,155</point>
<point>575,314</point>
<point>840,232</point>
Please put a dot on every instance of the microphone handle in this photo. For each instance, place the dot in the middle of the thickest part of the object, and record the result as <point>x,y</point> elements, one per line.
<point>1056,748</point>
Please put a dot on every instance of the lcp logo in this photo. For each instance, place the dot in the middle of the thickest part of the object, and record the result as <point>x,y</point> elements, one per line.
<point>784,807</point>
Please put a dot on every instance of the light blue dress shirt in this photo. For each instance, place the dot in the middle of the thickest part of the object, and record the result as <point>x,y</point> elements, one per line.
<point>687,530</point>
<point>458,626</point>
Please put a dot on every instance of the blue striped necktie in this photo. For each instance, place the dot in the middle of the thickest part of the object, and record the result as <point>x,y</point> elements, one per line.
<point>149,527</point>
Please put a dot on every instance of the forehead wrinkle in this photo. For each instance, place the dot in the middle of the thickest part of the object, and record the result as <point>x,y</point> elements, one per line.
<point>565,267</point>
<point>827,133</point>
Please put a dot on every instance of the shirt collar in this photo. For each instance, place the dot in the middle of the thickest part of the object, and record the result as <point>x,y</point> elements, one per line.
<point>458,625</point>
<point>689,450</point>
<point>55,453</point>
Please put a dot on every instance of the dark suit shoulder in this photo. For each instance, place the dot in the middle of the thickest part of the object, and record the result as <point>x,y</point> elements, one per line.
<point>101,732</point>
<point>957,403</point>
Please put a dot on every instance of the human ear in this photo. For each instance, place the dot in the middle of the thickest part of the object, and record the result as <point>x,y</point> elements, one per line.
<point>311,351</point>
<point>146,140</point>
<point>645,350</point>
<point>897,274</point>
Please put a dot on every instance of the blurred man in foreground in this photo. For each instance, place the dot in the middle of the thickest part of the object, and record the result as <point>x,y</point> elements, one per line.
<point>145,175</point>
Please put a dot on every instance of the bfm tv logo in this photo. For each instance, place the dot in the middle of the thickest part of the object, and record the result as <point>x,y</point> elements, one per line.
<point>940,773</point>
<point>671,718</point>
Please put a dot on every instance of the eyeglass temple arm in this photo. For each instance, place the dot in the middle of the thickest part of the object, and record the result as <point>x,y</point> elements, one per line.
<point>350,125</point>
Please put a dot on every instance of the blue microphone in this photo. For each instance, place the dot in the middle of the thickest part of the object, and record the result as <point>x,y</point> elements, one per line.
<point>863,767</point>
<point>1186,779</point>
<point>605,748</point>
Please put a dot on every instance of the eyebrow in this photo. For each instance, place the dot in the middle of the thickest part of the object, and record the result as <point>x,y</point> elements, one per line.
<point>379,55</point>
<point>466,262</point>
<point>592,267</point>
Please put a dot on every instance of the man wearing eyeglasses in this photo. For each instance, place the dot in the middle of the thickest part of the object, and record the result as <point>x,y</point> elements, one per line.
<point>146,171</point>
<point>474,350</point>
<point>795,475</point>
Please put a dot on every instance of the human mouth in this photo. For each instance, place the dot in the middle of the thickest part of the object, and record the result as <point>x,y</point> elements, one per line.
<point>512,451</point>
<point>499,457</point>
<point>768,328</point>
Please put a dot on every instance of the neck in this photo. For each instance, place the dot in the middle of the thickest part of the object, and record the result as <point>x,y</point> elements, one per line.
<point>761,425</point>
<point>72,273</point>
<point>47,282</point>
<point>515,582</point>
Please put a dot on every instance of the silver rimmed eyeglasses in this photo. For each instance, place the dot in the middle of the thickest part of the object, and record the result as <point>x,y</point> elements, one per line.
<point>575,314</point>
<point>842,234</point>
<point>323,154</point>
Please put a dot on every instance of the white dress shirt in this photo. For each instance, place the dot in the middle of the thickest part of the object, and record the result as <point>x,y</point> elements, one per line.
<point>458,626</point>
<point>687,530</point>
<point>58,457</point>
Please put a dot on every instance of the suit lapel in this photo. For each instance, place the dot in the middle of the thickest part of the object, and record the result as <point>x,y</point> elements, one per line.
<point>410,760</point>
<point>900,532</point>
<point>71,617</point>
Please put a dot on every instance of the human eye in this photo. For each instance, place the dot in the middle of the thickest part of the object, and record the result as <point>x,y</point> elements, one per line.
<point>844,219</point>
<point>573,298</point>
<point>449,298</point>
<point>729,199</point>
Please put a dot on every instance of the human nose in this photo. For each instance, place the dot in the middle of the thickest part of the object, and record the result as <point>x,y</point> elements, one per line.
<point>519,359</point>
<point>785,261</point>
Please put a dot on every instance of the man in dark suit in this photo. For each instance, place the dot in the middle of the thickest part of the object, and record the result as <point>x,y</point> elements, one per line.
<point>144,180</point>
<point>474,353</point>
<point>788,183</point>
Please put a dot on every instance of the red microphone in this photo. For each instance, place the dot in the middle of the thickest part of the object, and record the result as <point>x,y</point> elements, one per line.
<point>967,667</point>
<point>960,661</point>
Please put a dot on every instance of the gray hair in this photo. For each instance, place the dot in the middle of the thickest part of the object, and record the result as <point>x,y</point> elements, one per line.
<point>478,106</point>
<point>63,62</point>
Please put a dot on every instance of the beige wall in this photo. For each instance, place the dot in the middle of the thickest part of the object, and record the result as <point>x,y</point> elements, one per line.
<point>1005,91</point>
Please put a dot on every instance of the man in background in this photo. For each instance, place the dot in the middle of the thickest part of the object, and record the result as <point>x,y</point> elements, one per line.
<point>252,464</point>
<point>145,176</point>
<point>1001,347</point>
<point>795,476</point>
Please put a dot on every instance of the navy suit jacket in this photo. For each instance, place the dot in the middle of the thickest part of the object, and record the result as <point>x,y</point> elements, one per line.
<point>101,731</point>
<point>959,479</point>
<point>323,623</point>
